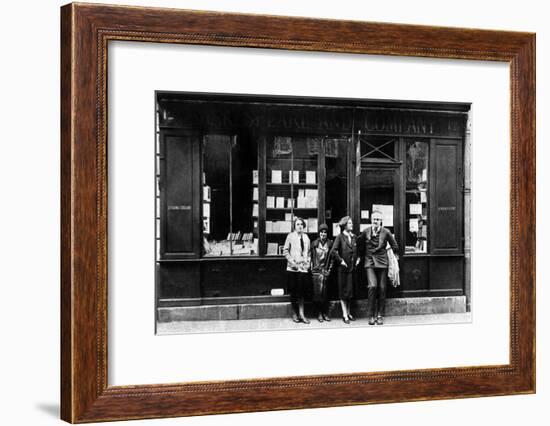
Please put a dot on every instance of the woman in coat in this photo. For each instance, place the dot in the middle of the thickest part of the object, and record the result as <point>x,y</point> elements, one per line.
<point>344,253</point>
<point>320,270</point>
<point>297,253</point>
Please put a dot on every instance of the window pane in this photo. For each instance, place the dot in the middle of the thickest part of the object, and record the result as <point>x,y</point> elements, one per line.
<point>378,148</point>
<point>215,208</point>
<point>416,232</point>
<point>244,195</point>
<point>279,199</point>
<point>336,201</point>
<point>306,182</point>
<point>291,188</point>
<point>377,194</point>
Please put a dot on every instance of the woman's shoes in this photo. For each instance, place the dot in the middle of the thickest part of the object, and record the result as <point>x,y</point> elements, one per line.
<point>326,317</point>
<point>380,320</point>
<point>297,319</point>
<point>351,317</point>
<point>320,318</point>
<point>372,321</point>
<point>346,320</point>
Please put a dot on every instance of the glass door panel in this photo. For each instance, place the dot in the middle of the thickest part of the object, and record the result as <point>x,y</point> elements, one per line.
<point>378,193</point>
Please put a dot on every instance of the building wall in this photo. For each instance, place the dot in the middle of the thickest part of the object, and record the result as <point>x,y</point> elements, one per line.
<point>188,120</point>
<point>467,210</point>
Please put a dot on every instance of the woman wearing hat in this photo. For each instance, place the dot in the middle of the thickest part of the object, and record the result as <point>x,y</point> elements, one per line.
<point>344,253</point>
<point>297,253</point>
<point>320,270</point>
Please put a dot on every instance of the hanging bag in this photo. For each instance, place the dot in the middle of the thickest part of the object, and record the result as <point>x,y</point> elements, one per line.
<point>393,267</point>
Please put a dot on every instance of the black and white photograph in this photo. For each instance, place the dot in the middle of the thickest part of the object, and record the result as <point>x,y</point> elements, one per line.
<point>289,213</point>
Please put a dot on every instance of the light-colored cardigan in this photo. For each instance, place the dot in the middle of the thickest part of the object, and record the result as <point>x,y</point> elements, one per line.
<point>293,253</point>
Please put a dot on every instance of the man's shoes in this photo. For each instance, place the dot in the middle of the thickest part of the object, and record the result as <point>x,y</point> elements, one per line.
<point>351,317</point>
<point>346,320</point>
<point>304,320</point>
<point>380,320</point>
<point>326,317</point>
<point>371,321</point>
<point>295,318</point>
<point>320,318</point>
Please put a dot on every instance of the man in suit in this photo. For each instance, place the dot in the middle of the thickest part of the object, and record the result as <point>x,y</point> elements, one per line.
<point>371,246</point>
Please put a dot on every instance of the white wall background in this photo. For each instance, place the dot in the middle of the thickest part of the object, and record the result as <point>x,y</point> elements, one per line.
<point>136,355</point>
<point>29,222</point>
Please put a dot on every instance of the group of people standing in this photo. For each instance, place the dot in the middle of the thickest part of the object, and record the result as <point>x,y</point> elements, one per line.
<point>312,263</point>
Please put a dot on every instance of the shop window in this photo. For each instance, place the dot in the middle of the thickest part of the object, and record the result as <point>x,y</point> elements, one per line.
<point>416,196</point>
<point>292,188</point>
<point>229,197</point>
<point>336,186</point>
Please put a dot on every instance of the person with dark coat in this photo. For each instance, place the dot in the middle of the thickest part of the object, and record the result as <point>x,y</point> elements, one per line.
<point>372,251</point>
<point>344,253</point>
<point>320,269</point>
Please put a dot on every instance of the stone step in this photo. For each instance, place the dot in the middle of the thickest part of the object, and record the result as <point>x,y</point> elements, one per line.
<point>394,307</point>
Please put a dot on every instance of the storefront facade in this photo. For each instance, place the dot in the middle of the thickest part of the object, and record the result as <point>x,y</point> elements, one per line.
<point>233,172</point>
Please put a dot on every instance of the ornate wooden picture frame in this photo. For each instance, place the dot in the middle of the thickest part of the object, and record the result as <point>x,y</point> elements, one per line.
<point>86,31</point>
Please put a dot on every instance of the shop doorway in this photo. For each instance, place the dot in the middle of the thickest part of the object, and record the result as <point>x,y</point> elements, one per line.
<point>380,187</point>
<point>379,181</point>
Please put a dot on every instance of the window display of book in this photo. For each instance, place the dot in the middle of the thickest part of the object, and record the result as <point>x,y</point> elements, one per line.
<point>236,243</point>
<point>292,190</point>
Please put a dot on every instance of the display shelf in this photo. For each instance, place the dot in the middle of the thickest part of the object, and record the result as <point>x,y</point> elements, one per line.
<point>291,208</point>
<point>313,185</point>
<point>292,180</point>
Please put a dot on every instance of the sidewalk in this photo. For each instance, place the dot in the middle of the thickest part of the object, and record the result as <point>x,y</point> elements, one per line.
<point>181,327</point>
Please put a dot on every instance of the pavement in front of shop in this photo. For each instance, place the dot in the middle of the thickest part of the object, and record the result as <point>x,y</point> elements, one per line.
<point>179,327</point>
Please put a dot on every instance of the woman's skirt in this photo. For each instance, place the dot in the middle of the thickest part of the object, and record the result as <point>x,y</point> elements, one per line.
<point>345,284</point>
<point>319,286</point>
<point>297,283</point>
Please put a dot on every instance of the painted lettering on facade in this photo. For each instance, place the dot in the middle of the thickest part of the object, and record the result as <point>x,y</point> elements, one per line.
<point>320,120</point>
<point>395,124</point>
